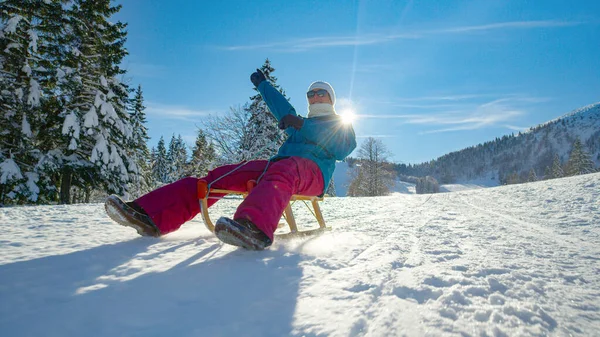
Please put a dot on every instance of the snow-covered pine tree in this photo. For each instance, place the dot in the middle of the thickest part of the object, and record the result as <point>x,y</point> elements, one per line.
<point>580,162</point>
<point>330,191</point>
<point>160,164</point>
<point>203,156</point>
<point>142,182</point>
<point>177,159</point>
<point>557,170</point>
<point>532,176</point>
<point>28,30</point>
<point>264,137</point>
<point>547,173</point>
<point>95,123</point>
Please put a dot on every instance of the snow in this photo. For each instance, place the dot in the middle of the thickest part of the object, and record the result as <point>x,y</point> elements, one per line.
<point>26,69</point>
<point>26,127</point>
<point>11,46</point>
<point>103,81</point>
<point>60,74</point>
<point>9,170</point>
<point>71,125</point>
<point>33,44</point>
<point>19,93</point>
<point>404,187</point>
<point>459,187</point>
<point>11,25</point>
<point>470,184</point>
<point>517,260</point>
<point>100,151</point>
<point>90,119</point>
<point>34,93</point>
<point>32,187</point>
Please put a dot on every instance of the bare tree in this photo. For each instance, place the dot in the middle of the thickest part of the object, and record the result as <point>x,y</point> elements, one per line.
<point>227,133</point>
<point>373,174</point>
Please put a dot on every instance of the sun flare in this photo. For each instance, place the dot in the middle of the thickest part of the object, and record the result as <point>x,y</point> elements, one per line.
<point>348,116</point>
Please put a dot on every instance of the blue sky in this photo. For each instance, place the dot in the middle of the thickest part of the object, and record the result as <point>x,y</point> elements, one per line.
<point>425,77</point>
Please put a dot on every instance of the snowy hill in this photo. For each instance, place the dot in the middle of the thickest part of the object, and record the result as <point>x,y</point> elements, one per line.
<point>520,153</point>
<point>518,260</point>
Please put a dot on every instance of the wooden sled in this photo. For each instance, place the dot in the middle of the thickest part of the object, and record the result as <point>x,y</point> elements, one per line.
<point>203,195</point>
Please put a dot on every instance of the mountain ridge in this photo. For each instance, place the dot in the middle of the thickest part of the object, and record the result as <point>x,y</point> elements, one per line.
<point>533,149</point>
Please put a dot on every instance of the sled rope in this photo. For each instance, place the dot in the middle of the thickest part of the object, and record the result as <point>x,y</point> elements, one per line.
<point>244,163</point>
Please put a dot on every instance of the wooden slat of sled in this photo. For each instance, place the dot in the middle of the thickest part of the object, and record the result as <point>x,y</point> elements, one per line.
<point>203,195</point>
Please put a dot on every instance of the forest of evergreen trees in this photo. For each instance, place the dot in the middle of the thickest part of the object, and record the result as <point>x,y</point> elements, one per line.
<point>73,131</point>
<point>65,114</point>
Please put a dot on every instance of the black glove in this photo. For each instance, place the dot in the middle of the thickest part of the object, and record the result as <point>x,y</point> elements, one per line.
<point>291,120</point>
<point>257,77</point>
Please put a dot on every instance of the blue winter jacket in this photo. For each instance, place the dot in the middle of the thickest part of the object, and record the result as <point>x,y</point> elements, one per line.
<point>321,139</point>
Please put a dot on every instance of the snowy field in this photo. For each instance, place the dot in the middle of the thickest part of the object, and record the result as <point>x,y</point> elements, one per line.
<point>520,260</point>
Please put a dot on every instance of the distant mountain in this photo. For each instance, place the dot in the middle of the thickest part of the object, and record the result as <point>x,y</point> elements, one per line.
<point>518,154</point>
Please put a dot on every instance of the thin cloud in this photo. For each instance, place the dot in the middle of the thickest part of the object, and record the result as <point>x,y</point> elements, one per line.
<point>485,115</point>
<point>320,42</point>
<point>446,97</point>
<point>507,25</point>
<point>304,44</point>
<point>426,106</point>
<point>175,112</point>
<point>477,116</point>
<point>516,128</point>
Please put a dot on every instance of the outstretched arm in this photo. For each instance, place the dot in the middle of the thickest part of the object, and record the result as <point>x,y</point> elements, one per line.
<point>276,102</point>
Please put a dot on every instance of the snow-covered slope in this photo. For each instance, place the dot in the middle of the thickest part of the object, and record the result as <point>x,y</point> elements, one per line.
<point>518,260</point>
<point>534,149</point>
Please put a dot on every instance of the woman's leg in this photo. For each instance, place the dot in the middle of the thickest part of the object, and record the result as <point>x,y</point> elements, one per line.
<point>265,204</point>
<point>172,205</point>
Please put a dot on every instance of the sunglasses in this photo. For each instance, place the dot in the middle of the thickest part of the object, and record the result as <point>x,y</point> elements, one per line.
<point>320,93</point>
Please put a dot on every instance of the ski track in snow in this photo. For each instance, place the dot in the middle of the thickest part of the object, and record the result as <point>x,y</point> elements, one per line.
<point>515,260</point>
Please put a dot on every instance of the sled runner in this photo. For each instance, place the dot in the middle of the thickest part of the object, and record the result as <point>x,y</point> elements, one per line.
<point>203,195</point>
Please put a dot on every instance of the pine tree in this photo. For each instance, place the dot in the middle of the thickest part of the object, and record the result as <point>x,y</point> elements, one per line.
<point>580,162</point>
<point>203,156</point>
<point>95,128</point>
<point>330,191</point>
<point>547,173</point>
<point>177,158</point>
<point>27,30</point>
<point>532,176</point>
<point>264,137</point>
<point>142,181</point>
<point>160,164</point>
<point>182,158</point>
<point>557,170</point>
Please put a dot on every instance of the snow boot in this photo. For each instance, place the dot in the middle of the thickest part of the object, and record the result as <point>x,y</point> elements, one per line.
<point>130,214</point>
<point>242,233</point>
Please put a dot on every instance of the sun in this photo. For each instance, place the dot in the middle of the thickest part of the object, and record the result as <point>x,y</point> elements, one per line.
<point>348,116</point>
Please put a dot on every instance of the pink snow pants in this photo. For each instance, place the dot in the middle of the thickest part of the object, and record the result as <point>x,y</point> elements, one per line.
<point>172,205</point>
